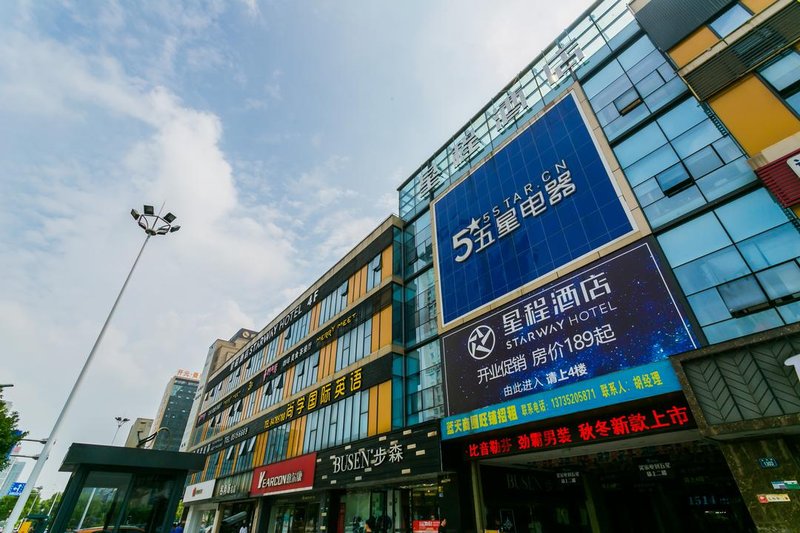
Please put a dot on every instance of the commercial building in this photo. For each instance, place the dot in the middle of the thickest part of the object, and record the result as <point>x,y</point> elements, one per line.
<point>140,429</point>
<point>173,412</point>
<point>591,300</point>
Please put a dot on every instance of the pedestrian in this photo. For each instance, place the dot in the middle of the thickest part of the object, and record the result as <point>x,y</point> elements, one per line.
<point>244,528</point>
<point>442,525</point>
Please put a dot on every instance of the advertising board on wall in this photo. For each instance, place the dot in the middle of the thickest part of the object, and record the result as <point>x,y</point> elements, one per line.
<point>544,200</point>
<point>407,452</point>
<point>598,337</point>
<point>292,475</point>
<point>199,491</point>
<point>671,414</point>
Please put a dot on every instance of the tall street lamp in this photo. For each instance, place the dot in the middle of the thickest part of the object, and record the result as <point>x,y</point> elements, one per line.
<point>121,421</point>
<point>152,224</point>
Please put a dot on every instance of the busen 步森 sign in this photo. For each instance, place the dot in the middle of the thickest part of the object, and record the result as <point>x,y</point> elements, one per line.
<point>401,453</point>
<point>292,475</point>
<point>557,349</point>
<point>544,200</point>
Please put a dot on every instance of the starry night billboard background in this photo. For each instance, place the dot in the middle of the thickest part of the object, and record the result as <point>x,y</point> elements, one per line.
<point>615,314</point>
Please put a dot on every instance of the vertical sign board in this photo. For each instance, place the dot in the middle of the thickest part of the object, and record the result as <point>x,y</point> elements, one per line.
<point>544,200</point>
<point>599,337</point>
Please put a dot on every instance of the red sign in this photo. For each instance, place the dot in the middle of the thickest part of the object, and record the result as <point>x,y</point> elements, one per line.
<point>635,423</point>
<point>424,526</point>
<point>287,476</point>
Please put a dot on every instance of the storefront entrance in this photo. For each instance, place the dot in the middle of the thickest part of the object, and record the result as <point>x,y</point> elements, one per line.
<point>235,516</point>
<point>661,489</point>
<point>294,517</point>
<point>391,510</point>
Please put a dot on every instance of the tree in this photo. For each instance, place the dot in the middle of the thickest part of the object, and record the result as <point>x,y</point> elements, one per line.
<point>9,434</point>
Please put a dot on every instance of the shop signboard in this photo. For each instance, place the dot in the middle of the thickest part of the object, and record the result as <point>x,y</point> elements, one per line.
<point>668,415</point>
<point>425,526</point>
<point>199,491</point>
<point>402,453</point>
<point>598,337</point>
<point>369,375</point>
<point>545,200</point>
<point>292,475</point>
<point>233,487</point>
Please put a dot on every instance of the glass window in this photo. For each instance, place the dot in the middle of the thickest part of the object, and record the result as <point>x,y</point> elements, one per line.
<point>739,327</point>
<point>770,248</point>
<point>783,75</point>
<point>729,20</point>
<point>750,215</point>
<point>681,118</point>
<point>742,294</point>
<point>673,180</point>
<point>781,281</point>
<point>640,144</point>
<point>710,270</point>
<point>681,244</point>
<point>708,307</point>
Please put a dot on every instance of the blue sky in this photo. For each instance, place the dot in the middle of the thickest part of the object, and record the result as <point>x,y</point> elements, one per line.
<point>277,131</point>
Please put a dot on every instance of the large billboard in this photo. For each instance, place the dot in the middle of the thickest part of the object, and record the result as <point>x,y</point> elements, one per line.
<point>544,200</point>
<point>597,337</point>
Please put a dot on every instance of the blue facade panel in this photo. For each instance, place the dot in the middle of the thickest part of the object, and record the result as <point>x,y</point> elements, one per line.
<point>544,200</point>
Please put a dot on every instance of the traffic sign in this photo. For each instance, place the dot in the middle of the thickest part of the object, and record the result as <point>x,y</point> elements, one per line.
<point>16,489</point>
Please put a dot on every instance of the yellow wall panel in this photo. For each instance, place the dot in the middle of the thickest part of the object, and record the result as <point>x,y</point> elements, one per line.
<point>315,317</point>
<point>385,407</point>
<point>695,44</point>
<point>376,329</point>
<point>386,263</point>
<point>218,466</point>
<point>260,448</point>
<point>757,6</point>
<point>386,326</point>
<point>372,416</point>
<point>351,282</point>
<point>288,379</point>
<point>754,115</point>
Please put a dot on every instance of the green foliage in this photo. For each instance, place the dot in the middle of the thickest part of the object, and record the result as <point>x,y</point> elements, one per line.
<point>34,505</point>
<point>8,424</point>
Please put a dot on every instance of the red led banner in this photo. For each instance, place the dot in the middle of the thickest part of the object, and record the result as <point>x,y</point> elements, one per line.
<point>635,423</point>
<point>287,476</point>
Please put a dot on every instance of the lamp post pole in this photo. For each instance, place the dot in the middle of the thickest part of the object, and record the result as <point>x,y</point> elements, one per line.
<point>152,224</point>
<point>121,421</point>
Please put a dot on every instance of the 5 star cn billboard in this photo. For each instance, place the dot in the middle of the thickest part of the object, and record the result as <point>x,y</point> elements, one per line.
<point>544,200</point>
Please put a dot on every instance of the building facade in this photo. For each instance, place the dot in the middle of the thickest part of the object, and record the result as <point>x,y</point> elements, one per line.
<point>174,410</point>
<point>140,430</point>
<point>584,319</point>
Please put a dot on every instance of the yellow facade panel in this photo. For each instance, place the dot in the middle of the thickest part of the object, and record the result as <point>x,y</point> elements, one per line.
<point>375,339</point>
<point>372,414</point>
<point>695,44</point>
<point>315,317</point>
<point>756,6</point>
<point>260,449</point>
<point>754,115</point>
<point>288,379</point>
<point>386,263</point>
<point>386,327</point>
<point>385,407</point>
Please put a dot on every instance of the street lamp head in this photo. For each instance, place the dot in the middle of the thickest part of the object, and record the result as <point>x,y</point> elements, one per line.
<point>154,224</point>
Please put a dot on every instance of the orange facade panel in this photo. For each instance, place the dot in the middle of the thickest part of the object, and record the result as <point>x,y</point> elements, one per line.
<point>695,44</point>
<point>385,407</point>
<point>757,6</point>
<point>372,416</point>
<point>386,263</point>
<point>754,115</point>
